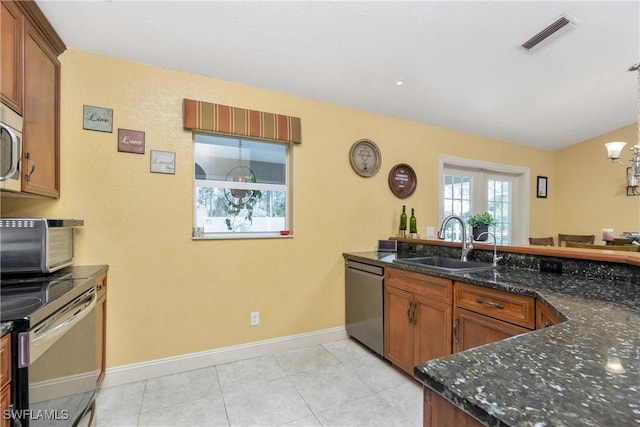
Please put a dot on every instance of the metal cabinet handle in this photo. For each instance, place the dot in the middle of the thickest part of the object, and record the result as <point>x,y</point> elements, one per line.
<point>498,305</point>
<point>455,330</point>
<point>413,313</point>
<point>27,176</point>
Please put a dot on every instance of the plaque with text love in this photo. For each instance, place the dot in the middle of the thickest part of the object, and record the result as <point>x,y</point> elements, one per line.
<point>131,141</point>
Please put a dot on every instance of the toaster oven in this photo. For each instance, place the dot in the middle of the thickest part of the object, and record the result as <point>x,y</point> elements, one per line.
<point>36,245</point>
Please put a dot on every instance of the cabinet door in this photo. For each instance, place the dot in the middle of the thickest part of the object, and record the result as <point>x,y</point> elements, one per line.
<point>546,316</point>
<point>473,330</point>
<point>398,329</point>
<point>41,104</point>
<point>432,332</point>
<point>11,25</point>
<point>5,378</point>
<point>439,412</point>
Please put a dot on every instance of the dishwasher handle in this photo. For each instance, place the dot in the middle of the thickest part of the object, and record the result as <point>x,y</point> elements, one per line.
<point>367,268</point>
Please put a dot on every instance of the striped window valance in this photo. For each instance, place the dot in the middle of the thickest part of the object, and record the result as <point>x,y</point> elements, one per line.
<point>206,116</point>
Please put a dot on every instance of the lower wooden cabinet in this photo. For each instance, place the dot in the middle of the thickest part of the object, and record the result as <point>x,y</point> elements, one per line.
<point>546,316</point>
<point>5,378</point>
<point>473,330</point>
<point>483,315</point>
<point>101,326</point>
<point>417,318</point>
<point>439,412</point>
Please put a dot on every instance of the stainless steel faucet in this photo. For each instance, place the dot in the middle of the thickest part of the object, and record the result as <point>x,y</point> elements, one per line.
<point>467,245</point>
<point>496,258</point>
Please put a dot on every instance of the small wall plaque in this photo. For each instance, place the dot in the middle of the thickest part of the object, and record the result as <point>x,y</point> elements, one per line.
<point>131,141</point>
<point>402,180</point>
<point>97,118</point>
<point>163,162</point>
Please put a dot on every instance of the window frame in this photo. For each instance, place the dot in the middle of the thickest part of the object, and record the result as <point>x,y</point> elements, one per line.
<point>233,235</point>
<point>520,219</point>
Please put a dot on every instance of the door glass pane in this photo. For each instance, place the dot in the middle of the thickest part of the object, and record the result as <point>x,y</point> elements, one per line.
<point>457,201</point>
<point>499,205</point>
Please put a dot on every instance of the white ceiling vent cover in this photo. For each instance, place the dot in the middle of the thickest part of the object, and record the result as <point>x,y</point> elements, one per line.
<point>552,32</point>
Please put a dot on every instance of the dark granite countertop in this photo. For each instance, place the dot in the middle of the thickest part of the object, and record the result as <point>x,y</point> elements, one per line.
<point>5,328</point>
<point>585,371</point>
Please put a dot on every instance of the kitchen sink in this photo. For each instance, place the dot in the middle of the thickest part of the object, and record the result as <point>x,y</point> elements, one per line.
<point>447,264</point>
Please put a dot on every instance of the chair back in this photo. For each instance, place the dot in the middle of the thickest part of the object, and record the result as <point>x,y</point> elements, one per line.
<point>627,248</point>
<point>576,238</point>
<point>544,241</point>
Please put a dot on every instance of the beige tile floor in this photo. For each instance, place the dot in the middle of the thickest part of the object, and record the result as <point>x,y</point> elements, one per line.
<point>336,384</point>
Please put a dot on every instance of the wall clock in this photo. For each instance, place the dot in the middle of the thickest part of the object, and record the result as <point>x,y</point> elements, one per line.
<point>365,157</point>
<point>402,180</point>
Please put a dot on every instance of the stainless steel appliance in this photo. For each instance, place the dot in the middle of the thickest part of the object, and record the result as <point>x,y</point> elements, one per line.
<point>364,304</point>
<point>10,149</point>
<point>55,362</point>
<point>36,245</point>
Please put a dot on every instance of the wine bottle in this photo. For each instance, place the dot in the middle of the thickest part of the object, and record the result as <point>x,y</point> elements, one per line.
<point>403,220</point>
<point>413,228</point>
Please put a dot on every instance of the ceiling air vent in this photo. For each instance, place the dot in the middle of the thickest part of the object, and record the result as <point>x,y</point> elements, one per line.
<point>552,32</point>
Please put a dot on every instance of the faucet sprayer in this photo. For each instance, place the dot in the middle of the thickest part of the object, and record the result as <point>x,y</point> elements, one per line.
<point>496,258</point>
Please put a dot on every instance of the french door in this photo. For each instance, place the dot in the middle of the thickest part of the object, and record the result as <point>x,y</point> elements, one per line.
<point>467,191</point>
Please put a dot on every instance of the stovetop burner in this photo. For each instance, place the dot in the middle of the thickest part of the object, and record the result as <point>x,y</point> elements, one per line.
<point>17,307</point>
<point>28,299</point>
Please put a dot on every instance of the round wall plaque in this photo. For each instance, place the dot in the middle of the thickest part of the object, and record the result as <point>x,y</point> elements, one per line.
<point>365,157</point>
<point>402,180</point>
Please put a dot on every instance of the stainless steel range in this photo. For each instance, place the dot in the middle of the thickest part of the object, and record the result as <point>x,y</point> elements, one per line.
<point>55,365</point>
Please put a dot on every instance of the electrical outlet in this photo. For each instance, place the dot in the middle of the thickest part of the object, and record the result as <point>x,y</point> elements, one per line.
<point>255,318</point>
<point>551,266</point>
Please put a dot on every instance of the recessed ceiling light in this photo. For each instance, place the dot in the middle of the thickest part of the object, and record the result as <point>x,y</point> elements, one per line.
<point>399,82</point>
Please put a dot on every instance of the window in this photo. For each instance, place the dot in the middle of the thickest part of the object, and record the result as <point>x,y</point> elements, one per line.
<point>470,187</point>
<point>242,187</point>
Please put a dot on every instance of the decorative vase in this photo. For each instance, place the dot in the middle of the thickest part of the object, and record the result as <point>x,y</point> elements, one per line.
<point>478,231</point>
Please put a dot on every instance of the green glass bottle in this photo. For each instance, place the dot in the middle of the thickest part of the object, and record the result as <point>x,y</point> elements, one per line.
<point>403,220</point>
<point>413,227</point>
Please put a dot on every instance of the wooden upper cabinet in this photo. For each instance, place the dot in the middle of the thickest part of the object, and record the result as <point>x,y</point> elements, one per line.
<point>31,86</point>
<point>11,26</point>
<point>41,145</point>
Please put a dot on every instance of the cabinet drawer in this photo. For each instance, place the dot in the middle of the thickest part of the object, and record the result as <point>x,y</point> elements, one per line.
<point>5,360</point>
<point>420,284</point>
<point>512,308</point>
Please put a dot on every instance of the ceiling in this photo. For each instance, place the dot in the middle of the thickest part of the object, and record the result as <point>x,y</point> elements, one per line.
<point>461,62</point>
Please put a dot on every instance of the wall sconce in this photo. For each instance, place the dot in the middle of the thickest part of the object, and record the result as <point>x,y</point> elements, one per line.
<point>615,148</point>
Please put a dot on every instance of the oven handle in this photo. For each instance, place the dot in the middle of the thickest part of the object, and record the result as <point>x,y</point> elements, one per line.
<point>45,336</point>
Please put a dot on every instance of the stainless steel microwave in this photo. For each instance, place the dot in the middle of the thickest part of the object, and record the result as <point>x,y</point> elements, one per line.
<point>10,149</point>
<point>36,245</point>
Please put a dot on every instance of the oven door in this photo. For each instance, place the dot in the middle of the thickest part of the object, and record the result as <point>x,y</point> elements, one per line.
<point>63,367</point>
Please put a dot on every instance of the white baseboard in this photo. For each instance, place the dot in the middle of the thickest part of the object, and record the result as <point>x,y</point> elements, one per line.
<point>172,365</point>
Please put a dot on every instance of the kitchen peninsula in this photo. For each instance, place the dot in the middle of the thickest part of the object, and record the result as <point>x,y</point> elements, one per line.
<point>584,371</point>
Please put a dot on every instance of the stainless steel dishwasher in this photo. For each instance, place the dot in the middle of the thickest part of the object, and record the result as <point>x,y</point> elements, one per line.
<point>364,304</point>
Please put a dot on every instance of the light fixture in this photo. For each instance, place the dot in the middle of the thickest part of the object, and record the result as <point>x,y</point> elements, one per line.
<point>615,148</point>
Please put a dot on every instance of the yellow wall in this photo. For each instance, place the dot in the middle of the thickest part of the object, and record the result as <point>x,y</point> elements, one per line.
<point>169,295</point>
<point>591,192</point>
